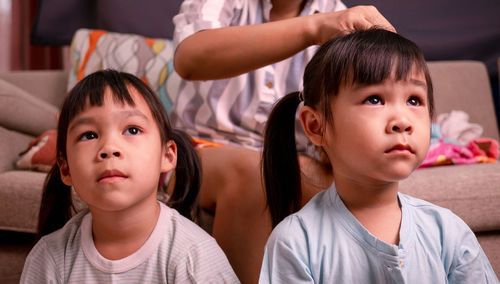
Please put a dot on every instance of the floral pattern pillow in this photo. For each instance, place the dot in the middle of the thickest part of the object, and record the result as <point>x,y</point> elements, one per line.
<point>150,59</point>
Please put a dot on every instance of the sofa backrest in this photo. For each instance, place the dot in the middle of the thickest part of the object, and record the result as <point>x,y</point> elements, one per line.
<point>464,85</point>
<point>47,85</point>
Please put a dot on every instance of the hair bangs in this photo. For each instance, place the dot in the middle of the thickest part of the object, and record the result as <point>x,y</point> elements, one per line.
<point>93,89</point>
<point>363,57</point>
<point>373,58</point>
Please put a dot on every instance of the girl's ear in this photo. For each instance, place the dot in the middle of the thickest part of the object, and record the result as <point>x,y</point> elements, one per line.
<point>64,170</point>
<point>169,156</point>
<point>312,123</point>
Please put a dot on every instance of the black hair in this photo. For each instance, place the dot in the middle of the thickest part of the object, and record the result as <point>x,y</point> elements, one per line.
<point>362,57</point>
<point>57,207</point>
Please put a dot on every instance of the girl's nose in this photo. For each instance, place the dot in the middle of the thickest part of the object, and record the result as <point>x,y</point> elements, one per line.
<point>105,155</point>
<point>109,150</point>
<point>399,126</point>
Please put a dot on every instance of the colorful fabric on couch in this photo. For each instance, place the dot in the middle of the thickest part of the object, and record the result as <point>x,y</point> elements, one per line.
<point>150,59</point>
<point>441,153</point>
<point>446,150</point>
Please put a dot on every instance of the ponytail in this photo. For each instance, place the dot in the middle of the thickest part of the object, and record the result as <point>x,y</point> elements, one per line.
<point>280,163</point>
<point>185,196</point>
<point>56,205</point>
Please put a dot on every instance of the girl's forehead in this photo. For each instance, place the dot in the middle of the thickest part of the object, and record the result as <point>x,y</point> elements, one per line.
<point>111,102</point>
<point>414,75</point>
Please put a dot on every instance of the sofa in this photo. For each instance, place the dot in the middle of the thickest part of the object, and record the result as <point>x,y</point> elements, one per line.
<point>28,105</point>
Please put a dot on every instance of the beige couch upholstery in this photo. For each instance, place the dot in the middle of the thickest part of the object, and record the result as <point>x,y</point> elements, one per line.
<point>471,191</point>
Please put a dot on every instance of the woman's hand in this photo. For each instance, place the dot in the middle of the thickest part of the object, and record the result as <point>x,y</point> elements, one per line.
<point>325,26</point>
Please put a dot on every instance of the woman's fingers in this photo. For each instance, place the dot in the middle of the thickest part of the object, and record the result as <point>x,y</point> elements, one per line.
<point>330,25</point>
<point>375,18</point>
<point>364,17</point>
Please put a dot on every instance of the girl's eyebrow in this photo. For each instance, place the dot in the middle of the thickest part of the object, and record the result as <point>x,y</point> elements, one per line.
<point>90,119</point>
<point>418,83</point>
<point>81,121</point>
<point>134,112</point>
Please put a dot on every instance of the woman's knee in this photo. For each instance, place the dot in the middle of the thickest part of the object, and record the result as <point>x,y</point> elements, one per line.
<point>229,174</point>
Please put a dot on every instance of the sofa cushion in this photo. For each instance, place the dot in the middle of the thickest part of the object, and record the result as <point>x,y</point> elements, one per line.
<point>470,191</point>
<point>20,191</point>
<point>48,85</point>
<point>36,115</point>
<point>11,144</point>
<point>21,195</point>
<point>150,59</point>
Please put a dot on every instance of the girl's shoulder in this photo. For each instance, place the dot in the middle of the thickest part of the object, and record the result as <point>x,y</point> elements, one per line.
<point>180,227</point>
<point>428,217</point>
<point>423,208</point>
<point>67,236</point>
<point>52,248</point>
<point>192,249</point>
<point>444,232</point>
<point>307,220</point>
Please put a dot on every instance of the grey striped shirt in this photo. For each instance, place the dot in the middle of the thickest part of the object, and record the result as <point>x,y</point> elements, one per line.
<point>178,251</point>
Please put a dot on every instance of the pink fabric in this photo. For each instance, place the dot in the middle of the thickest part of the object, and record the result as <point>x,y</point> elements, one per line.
<point>482,150</point>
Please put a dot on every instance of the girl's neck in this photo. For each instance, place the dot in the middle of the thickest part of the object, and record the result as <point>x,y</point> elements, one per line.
<point>119,234</point>
<point>285,9</point>
<point>364,194</point>
<point>375,206</point>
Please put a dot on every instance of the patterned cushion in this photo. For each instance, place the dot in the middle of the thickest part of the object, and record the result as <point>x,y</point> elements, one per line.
<point>150,59</point>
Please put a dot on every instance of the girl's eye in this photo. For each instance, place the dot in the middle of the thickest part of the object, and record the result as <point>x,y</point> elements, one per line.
<point>88,136</point>
<point>414,101</point>
<point>132,131</point>
<point>373,100</point>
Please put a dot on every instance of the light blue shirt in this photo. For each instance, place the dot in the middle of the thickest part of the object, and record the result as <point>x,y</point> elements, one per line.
<point>325,243</point>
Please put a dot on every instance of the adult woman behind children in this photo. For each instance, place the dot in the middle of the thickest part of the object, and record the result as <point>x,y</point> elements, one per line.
<point>238,58</point>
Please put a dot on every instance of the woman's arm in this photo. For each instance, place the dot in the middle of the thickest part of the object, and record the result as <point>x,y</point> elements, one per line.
<point>231,51</point>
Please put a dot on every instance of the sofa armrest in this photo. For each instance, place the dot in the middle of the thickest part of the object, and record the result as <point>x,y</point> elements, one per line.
<point>48,85</point>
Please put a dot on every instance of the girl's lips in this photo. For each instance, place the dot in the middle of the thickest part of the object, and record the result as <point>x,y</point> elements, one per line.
<point>400,148</point>
<point>111,175</point>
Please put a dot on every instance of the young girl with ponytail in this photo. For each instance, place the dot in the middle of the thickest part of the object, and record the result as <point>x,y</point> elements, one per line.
<point>114,142</point>
<point>368,105</point>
